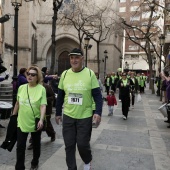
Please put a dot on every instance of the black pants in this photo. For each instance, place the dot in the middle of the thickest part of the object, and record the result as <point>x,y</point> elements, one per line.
<point>113,87</point>
<point>77,131</point>
<point>49,129</point>
<point>107,89</point>
<point>125,105</point>
<point>133,98</point>
<point>21,146</point>
<point>142,89</point>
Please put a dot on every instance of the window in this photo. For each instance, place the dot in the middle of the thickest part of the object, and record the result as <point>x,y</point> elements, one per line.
<point>134,8</point>
<point>145,14</point>
<point>122,9</point>
<point>122,1</point>
<point>133,47</point>
<point>135,18</point>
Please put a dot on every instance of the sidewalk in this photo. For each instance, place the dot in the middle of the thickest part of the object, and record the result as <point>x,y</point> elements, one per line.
<point>142,142</point>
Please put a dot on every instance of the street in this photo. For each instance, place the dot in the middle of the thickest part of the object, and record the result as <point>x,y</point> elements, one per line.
<point>142,142</point>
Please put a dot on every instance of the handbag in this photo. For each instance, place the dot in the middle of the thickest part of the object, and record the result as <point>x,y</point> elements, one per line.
<point>163,109</point>
<point>36,118</point>
<point>139,98</point>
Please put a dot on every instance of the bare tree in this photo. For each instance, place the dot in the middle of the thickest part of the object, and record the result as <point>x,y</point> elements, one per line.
<point>89,19</point>
<point>138,32</point>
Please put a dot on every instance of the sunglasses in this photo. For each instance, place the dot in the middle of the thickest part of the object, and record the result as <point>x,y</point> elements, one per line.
<point>31,74</point>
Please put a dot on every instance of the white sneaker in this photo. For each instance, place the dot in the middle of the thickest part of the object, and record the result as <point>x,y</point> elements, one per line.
<point>124,117</point>
<point>119,100</point>
<point>87,166</point>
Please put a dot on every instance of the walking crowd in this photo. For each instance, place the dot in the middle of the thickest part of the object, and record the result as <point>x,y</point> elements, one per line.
<point>77,96</point>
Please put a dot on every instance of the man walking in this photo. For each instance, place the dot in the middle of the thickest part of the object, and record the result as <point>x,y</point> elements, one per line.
<point>78,87</point>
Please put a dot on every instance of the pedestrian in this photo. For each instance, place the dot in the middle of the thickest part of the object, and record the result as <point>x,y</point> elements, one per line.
<point>124,87</point>
<point>111,101</point>
<point>163,88</point>
<point>30,105</point>
<point>142,83</point>
<point>22,77</point>
<point>134,88</point>
<point>77,88</point>
<point>47,76</point>
<point>118,77</point>
<point>113,77</point>
<point>108,83</point>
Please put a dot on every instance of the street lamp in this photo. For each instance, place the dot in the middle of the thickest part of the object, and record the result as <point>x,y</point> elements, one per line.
<point>16,4</point>
<point>161,42</point>
<point>105,57</point>
<point>86,42</point>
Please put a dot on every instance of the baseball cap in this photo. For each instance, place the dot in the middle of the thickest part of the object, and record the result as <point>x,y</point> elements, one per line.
<point>76,51</point>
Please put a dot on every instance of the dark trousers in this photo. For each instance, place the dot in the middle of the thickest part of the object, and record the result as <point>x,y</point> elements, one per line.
<point>113,87</point>
<point>77,131</point>
<point>21,146</point>
<point>133,98</point>
<point>142,89</point>
<point>107,89</point>
<point>125,105</point>
<point>49,129</point>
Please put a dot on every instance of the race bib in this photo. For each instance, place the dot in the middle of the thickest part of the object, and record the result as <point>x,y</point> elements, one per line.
<point>75,98</point>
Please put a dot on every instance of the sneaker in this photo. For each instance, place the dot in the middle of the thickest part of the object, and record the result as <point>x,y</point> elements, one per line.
<point>109,114</point>
<point>119,100</point>
<point>124,117</point>
<point>87,166</point>
<point>30,147</point>
<point>132,107</point>
<point>34,167</point>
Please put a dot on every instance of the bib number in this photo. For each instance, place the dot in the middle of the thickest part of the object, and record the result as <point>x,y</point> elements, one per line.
<point>74,98</point>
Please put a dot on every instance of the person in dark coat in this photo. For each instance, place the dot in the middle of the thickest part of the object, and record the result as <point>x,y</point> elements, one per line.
<point>134,88</point>
<point>124,86</point>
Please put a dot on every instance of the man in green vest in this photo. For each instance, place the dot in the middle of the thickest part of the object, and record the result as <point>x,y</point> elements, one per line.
<point>142,83</point>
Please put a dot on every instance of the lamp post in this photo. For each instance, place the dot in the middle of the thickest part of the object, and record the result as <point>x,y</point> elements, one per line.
<point>16,4</point>
<point>105,57</point>
<point>162,42</point>
<point>86,42</point>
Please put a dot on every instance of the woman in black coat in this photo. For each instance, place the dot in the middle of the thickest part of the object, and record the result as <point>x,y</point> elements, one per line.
<point>124,86</point>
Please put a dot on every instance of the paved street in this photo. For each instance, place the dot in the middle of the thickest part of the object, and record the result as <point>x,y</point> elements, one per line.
<point>142,142</point>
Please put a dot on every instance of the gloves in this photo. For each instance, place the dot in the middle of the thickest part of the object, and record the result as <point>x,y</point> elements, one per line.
<point>6,77</point>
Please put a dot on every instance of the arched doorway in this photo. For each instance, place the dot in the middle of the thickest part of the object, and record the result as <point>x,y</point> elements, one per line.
<point>63,62</point>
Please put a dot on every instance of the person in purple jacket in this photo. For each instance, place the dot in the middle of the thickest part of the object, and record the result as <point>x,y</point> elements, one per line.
<point>22,77</point>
